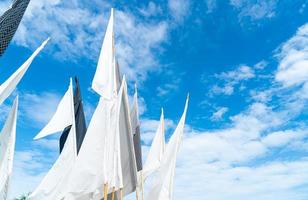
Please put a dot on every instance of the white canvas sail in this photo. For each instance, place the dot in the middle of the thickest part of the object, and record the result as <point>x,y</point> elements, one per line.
<point>162,188</point>
<point>62,117</point>
<point>157,149</point>
<point>10,84</point>
<point>105,79</point>
<point>52,185</point>
<point>7,148</point>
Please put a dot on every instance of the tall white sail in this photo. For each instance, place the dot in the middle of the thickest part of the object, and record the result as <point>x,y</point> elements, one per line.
<point>52,185</point>
<point>157,149</point>
<point>105,79</point>
<point>10,84</point>
<point>7,148</point>
<point>162,188</point>
<point>62,117</point>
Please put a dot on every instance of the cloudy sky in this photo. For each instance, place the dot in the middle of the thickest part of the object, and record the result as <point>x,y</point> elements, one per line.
<point>244,63</point>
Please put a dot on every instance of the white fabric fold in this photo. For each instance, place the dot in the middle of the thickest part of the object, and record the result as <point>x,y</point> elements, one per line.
<point>7,149</point>
<point>10,84</point>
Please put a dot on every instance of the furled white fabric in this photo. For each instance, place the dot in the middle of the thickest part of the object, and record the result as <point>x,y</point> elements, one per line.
<point>128,159</point>
<point>104,81</point>
<point>10,84</point>
<point>7,148</point>
<point>53,184</point>
<point>134,112</point>
<point>62,117</point>
<point>157,149</point>
<point>162,188</point>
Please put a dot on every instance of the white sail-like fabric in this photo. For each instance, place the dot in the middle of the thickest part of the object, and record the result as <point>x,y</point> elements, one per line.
<point>62,117</point>
<point>162,188</point>
<point>98,161</point>
<point>128,159</point>
<point>134,113</point>
<point>10,84</point>
<point>104,81</point>
<point>53,183</point>
<point>157,149</point>
<point>7,148</point>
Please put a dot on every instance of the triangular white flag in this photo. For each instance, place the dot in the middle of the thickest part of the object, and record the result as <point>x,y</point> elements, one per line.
<point>162,188</point>
<point>7,149</point>
<point>105,81</point>
<point>157,149</point>
<point>10,84</point>
<point>62,117</point>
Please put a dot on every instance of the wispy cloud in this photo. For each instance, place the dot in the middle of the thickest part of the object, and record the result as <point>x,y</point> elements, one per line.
<point>219,113</point>
<point>231,79</point>
<point>39,108</point>
<point>179,9</point>
<point>255,10</point>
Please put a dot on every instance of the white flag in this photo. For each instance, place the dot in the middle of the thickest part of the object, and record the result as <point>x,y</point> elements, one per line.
<point>62,117</point>
<point>10,84</point>
<point>7,148</point>
<point>157,149</point>
<point>162,188</point>
<point>105,81</point>
<point>53,184</point>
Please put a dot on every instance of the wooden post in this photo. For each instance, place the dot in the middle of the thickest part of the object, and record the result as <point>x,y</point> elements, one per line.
<point>137,196</point>
<point>121,194</point>
<point>113,191</point>
<point>105,191</point>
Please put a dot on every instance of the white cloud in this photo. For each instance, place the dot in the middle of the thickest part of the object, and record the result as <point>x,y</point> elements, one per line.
<point>218,114</point>
<point>137,45</point>
<point>179,9</point>
<point>293,58</point>
<point>151,10</point>
<point>231,79</point>
<point>211,5</point>
<point>39,108</point>
<point>77,29</point>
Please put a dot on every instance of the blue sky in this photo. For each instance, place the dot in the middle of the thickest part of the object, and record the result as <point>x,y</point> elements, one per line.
<point>244,63</point>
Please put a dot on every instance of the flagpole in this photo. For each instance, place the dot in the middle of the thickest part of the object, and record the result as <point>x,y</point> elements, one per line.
<point>121,194</point>
<point>105,191</point>
<point>113,191</point>
<point>137,197</point>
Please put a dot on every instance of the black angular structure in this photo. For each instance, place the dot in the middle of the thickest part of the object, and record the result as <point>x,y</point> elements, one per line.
<point>80,121</point>
<point>10,21</point>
